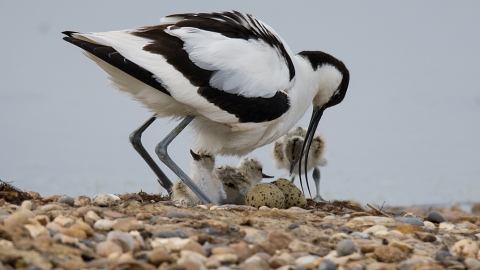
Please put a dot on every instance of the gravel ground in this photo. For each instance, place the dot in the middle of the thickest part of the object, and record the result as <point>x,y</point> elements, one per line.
<point>142,231</point>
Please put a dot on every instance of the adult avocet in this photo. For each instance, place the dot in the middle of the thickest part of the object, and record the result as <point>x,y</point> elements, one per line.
<point>229,72</point>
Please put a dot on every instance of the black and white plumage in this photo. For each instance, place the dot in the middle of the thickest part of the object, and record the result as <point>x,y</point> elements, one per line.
<point>228,70</point>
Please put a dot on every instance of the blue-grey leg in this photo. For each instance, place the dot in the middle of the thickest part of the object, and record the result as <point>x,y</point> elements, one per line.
<point>162,153</point>
<point>136,141</point>
<point>316,178</point>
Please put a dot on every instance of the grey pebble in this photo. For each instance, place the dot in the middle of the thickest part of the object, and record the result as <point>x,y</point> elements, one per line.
<point>153,219</point>
<point>435,217</point>
<point>66,200</point>
<point>326,264</point>
<point>293,226</point>
<point>52,232</point>
<point>98,237</point>
<point>360,235</point>
<point>210,231</point>
<point>208,248</point>
<point>181,234</point>
<point>345,247</point>
<point>125,240</point>
<point>407,264</point>
<point>441,255</point>
<point>411,220</point>
<point>177,214</point>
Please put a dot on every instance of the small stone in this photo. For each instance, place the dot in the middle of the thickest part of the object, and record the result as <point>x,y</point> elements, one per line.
<point>411,220</point>
<point>74,232</point>
<point>429,225</point>
<point>435,217</point>
<point>360,235</point>
<point>42,219</point>
<point>92,216</point>
<point>82,201</point>
<point>472,263</point>
<point>264,208</point>
<point>279,240</point>
<point>17,218</point>
<point>426,237</point>
<point>279,260</point>
<point>242,250</point>
<point>125,240</point>
<point>465,248</point>
<point>401,245</point>
<point>409,229</point>
<point>306,261</point>
<point>80,225</point>
<point>177,214</point>
<point>63,221</point>
<point>158,256</point>
<point>26,205</point>
<point>165,234</point>
<point>389,254</point>
<point>128,224</point>
<point>210,231</point>
<point>103,225</point>
<point>51,207</point>
<point>326,264</point>
<point>446,226</point>
<point>345,247</point>
<point>293,226</point>
<point>254,236</point>
<point>106,248</point>
<point>441,255</point>
<point>222,250</point>
<point>370,221</point>
<point>187,257</point>
<point>255,262</point>
<point>176,244</point>
<point>103,200</point>
<point>382,266</point>
<point>37,230</point>
<point>375,229</point>
<point>112,214</point>
<point>66,200</point>
<point>408,264</point>
<point>226,258</point>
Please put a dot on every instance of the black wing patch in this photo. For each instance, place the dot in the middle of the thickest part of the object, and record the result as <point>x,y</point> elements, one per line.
<point>246,109</point>
<point>235,25</point>
<point>111,56</point>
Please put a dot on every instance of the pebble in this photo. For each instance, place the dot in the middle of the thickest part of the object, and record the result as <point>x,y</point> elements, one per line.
<point>82,201</point>
<point>306,261</point>
<point>472,263</point>
<point>441,255</point>
<point>411,220</point>
<point>170,234</point>
<point>435,217</point>
<point>345,247</point>
<point>107,248</point>
<point>92,216</point>
<point>158,256</point>
<point>465,248</point>
<point>426,237</point>
<point>389,254</point>
<point>104,200</point>
<point>103,225</point>
<point>446,226</point>
<point>176,214</point>
<point>51,207</point>
<point>375,229</point>
<point>210,231</point>
<point>123,239</point>
<point>66,200</point>
<point>26,205</point>
<point>327,264</point>
<point>360,235</point>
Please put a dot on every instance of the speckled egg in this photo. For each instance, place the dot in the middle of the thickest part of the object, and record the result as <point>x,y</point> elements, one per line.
<point>293,195</point>
<point>265,194</point>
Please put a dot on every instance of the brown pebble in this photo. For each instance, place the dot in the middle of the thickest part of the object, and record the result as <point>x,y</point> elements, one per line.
<point>106,248</point>
<point>158,256</point>
<point>242,250</point>
<point>389,254</point>
<point>74,232</point>
<point>409,229</point>
<point>279,240</point>
<point>425,237</point>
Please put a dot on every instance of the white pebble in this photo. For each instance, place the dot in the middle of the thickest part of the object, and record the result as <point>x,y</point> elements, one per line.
<point>103,225</point>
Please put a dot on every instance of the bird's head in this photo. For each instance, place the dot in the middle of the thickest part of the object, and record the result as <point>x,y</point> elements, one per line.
<point>331,77</point>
